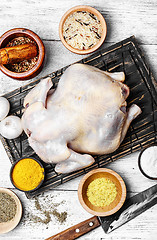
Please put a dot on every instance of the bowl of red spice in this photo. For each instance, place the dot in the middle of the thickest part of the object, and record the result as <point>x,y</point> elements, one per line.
<point>82,29</point>
<point>22,53</point>
<point>102,192</point>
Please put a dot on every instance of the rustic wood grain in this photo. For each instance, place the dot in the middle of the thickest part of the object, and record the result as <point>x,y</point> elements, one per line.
<point>77,230</point>
<point>126,56</point>
<point>124,18</point>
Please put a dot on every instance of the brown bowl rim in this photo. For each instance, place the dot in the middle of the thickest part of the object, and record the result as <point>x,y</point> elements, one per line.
<point>100,17</point>
<point>118,206</point>
<point>139,163</point>
<point>38,66</point>
<point>11,170</point>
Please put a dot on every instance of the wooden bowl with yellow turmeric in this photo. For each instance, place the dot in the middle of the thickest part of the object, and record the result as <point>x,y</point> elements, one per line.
<point>27,174</point>
<point>102,192</point>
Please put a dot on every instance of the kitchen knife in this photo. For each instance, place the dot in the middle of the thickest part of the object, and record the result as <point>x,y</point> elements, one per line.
<point>131,208</point>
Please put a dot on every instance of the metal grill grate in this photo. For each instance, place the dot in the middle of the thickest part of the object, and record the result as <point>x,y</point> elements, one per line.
<point>123,56</point>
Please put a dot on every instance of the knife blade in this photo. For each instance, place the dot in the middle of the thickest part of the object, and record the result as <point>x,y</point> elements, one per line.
<point>131,209</point>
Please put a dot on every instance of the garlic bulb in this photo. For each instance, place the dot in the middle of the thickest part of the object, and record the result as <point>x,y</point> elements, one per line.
<point>4,108</point>
<point>10,127</point>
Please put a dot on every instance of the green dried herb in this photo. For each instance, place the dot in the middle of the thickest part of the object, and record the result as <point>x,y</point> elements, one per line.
<point>61,217</point>
<point>37,204</point>
<point>46,220</point>
<point>8,207</point>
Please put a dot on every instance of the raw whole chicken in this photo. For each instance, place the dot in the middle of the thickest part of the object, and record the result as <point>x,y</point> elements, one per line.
<point>85,115</point>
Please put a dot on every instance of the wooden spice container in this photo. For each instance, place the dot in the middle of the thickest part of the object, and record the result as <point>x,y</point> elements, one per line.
<point>9,225</point>
<point>92,11</point>
<point>102,173</point>
<point>22,32</point>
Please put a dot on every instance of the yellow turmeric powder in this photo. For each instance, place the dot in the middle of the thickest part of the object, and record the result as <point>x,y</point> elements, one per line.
<point>27,174</point>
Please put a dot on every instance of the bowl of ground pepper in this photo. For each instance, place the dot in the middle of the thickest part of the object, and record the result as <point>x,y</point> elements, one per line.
<point>102,192</point>
<point>12,42</point>
<point>10,210</point>
<point>27,174</point>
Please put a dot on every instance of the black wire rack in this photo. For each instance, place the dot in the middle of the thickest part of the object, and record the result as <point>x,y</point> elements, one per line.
<point>124,56</point>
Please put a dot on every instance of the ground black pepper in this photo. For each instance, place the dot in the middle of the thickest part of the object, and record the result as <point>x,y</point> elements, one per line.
<point>24,65</point>
<point>8,207</point>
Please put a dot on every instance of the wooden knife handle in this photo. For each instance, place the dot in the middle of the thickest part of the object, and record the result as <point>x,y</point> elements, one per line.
<point>77,230</point>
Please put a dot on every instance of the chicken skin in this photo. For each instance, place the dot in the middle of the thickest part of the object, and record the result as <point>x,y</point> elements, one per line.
<point>85,115</point>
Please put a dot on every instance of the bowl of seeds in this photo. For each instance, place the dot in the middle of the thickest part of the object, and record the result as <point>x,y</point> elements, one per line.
<point>102,192</point>
<point>22,53</point>
<point>82,29</point>
<point>10,210</point>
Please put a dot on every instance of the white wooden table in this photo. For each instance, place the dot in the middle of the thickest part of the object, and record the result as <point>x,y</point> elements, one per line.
<point>124,18</point>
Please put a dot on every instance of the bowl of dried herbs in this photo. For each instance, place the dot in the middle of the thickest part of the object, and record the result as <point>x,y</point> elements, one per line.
<point>10,210</point>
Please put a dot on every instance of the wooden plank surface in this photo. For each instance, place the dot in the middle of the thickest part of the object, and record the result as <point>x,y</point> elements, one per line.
<point>124,18</point>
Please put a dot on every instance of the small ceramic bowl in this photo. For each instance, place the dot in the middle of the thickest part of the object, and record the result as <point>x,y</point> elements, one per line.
<point>22,32</point>
<point>10,225</point>
<point>15,184</point>
<point>88,9</point>
<point>113,206</point>
<point>148,161</point>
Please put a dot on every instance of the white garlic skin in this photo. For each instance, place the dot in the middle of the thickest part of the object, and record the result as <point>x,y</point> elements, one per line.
<point>11,127</point>
<point>4,108</point>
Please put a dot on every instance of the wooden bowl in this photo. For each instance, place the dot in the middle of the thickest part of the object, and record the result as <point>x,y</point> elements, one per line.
<point>22,32</point>
<point>97,14</point>
<point>15,185</point>
<point>10,225</point>
<point>102,173</point>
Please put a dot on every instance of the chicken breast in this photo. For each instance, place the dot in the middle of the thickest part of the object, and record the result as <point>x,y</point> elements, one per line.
<point>85,115</point>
